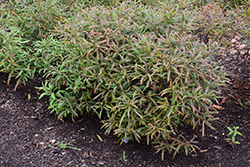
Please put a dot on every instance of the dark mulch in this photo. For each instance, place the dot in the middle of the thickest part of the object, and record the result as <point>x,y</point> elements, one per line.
<point>27,129</point>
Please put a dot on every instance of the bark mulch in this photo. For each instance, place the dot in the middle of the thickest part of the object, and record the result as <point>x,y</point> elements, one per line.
<point>30,136</point>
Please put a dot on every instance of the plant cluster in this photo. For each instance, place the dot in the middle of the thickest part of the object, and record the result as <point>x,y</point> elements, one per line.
<point>64,145</point>
<point>137,64</point>
<point>233,132</point>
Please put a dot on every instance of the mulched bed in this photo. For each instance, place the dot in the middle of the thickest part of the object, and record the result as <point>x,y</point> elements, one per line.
<point>29,135</point>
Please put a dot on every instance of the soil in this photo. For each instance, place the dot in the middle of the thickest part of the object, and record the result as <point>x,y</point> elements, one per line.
<point>31,136</point>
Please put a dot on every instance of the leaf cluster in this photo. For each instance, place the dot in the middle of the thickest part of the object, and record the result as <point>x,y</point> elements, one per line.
<point>233,132</point>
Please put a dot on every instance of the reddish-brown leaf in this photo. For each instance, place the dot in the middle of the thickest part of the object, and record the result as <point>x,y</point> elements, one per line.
<point>217,107</point>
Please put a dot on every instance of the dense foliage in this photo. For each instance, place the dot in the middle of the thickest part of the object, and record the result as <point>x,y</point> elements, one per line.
<point>144,67</point>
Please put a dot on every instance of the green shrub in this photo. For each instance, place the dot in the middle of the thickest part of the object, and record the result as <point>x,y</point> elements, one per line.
<point>15,59</point>
<point>22,24</point>
<point>137,65</point>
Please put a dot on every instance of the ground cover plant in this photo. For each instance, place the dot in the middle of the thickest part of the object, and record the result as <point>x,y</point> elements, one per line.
<point>146,69</point>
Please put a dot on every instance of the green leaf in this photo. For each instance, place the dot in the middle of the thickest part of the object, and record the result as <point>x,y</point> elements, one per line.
<point>229,129</point>
<point>52,95</point>
<point>43,94</point>
<point>248,12</point>
<point>240,134</point>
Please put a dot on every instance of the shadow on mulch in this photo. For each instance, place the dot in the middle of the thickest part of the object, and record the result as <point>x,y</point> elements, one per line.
<point>30,136</point>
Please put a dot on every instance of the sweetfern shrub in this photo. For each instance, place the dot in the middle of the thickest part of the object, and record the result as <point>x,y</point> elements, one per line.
<point>138,66</point>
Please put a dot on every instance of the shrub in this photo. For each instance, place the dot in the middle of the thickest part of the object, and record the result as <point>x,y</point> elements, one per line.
<point>137,65</point>
<point>22,24</point>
